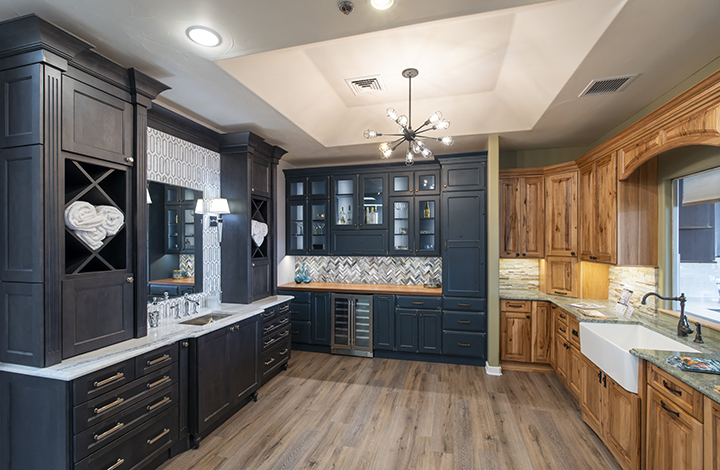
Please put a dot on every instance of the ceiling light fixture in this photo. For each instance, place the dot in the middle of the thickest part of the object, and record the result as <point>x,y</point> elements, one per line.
<point>204,36</point>
<point>382,4</point>
<point>413,137</point>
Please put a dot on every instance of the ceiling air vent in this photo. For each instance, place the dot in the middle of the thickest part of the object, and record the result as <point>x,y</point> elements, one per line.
<point>603,86</point>
<point>366,85</point>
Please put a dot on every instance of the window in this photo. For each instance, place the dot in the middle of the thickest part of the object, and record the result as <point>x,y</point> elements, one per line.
<point>696,223</point>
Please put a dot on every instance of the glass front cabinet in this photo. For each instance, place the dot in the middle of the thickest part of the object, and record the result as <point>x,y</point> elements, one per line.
<point>414,226</point>
<point>307,214</point>
<point>415,183</point>
<point>359,202</point>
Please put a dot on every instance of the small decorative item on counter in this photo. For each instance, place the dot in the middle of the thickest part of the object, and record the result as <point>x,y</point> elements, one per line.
<point>305,276</point>
<point>298,277</point>
<point>154,314</point>
<point>178,273</point>
<point>694,364</point>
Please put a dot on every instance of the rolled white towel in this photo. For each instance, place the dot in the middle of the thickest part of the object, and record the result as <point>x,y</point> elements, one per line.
<point>81,215</point>
<point>113,219</point>
<point>259,231</point>
<point>92,237</point>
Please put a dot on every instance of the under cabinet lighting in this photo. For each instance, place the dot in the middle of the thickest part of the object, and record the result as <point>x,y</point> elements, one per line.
<point>204,36</point>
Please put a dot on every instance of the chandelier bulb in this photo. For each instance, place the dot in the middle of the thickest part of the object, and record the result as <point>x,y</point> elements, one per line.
<point>417,146</point>
<point>403,121</point>
<point>386,150</point>
<point>427,153</point>
<point>442,124</point>
<point>447,140</point>
<point>392,114</point>
<point>409,158</point>
<point>435,117</point>
<point>370,134</point>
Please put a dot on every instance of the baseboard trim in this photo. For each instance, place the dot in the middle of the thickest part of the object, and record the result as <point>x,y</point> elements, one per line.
<point>493,370</point>
<point>527,367</point>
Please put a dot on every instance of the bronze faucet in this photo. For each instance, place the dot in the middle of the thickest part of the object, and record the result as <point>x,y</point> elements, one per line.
<point>683,328</point>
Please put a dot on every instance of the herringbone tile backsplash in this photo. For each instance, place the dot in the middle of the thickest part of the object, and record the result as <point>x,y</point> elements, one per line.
<point>370,269</point>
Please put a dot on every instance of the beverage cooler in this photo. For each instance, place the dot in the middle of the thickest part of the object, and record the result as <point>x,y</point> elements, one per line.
<point>352,325</point>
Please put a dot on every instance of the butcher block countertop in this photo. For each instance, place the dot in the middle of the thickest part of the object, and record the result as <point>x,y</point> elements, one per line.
<point>180,281</point>
<point>343,288</point>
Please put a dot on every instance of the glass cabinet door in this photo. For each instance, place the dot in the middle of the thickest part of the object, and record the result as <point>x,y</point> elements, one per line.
<point>318,186</point>
<point>372,206</point>
<point>426,232</point>
<point>172,220</point>
<point>362,322</point>
<point>188,230</point>
<point>401,240</point>
<point>296,228</point>
<point>296,188</point>
<point>344,188</point>
<point>401,184</point>
<point>427,182</point>
<point>341,321</point>
<point>319,229</point>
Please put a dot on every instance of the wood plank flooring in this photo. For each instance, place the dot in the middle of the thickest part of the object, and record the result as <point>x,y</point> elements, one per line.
<point>338,412</point>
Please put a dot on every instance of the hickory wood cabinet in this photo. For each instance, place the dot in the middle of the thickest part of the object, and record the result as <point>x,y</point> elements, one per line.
<point>712,434</point>
<point>525,330</point>
<point>522,204</point>
<point>561,214</point>
<point>598,197</point>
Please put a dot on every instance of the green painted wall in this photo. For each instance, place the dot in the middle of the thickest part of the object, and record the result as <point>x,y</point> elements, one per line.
<point>493,250</point>
<point>540,157</point>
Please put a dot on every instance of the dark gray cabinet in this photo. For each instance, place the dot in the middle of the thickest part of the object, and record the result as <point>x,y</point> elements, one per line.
<point>223,374</point>
<point>418,324</point>
<point>384,322</point>
<point>359,202</point>
<point>320,320</point>
<point>367,243</point>
<point>415,226</point>
<point>307,226</point>
<point>419,182</point>
<point>429,332</point>
<point>406,330</point>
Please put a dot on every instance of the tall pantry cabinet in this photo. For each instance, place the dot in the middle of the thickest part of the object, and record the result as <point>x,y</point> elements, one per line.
<point>72,128</point>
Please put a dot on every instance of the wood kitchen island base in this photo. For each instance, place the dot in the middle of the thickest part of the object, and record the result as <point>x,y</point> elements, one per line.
<point>356,413</point>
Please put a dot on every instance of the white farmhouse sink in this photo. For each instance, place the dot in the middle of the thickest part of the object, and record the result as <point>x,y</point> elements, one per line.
<point>608,345</point>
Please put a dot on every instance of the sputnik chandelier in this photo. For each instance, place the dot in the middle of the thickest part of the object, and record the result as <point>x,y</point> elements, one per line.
<point>416,146</point>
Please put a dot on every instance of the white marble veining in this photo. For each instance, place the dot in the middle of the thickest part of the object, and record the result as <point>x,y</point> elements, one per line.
<point>169,331</point>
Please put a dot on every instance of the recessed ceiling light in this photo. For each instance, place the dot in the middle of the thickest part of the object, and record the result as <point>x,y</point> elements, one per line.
<point>204,36</point>
<point>382,4</point>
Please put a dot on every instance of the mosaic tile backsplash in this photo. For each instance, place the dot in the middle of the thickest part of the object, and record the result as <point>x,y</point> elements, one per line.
<point>407,271</point>
<point>176,161</point>
<point>642,280</point>
<point>519,274</point>
<point>187,264</point>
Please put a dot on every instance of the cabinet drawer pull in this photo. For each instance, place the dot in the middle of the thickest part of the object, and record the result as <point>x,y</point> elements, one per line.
<point>467,345</point>
<point>285,333</point>
<point>463,305</point>
<point>160,403</point>
<point>560,293</point>
<point>157,438</point>
<point>283,352</point>
<point>269,314</point>
<point>117,464</point>
<point>418,303</point>
<point>270,361</point>
<point>295,332</point>
<point>464,321</point>
<point>384,298</point>
<point>268,328</point>
<point>164,380</point>
<point>357,252</point>
<point>561,316</point>
<point>664,407</point>
<point>561,329</point>
<point>294,311</point>
<point>108,406</point>
<point>270,341</point>
<point>159,360</point>
<point>115,377</point>
<point>575,333</point>
<point>117,427</point>
<point>676,392</point>
<point>283,321</point>
<point>516,305</point>
<point>284,307</point>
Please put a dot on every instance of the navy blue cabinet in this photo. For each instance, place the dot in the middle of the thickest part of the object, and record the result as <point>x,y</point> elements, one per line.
<point>406,330</point>
<point>320,320</point>
<point>369,243</point>
<point>424,181</point>
<point>384,322</point>
<point>430,332</point>
<point>415,226</point>
<point>418,324</point>
<point>306,217</point>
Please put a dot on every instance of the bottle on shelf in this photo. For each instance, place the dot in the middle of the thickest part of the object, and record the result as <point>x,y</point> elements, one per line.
<point>426,213</point>
<point>348,217</point>
<point>341,217</point>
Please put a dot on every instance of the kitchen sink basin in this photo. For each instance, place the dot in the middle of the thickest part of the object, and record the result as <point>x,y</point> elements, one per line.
<point>608,345</point>
<point>205,319</point>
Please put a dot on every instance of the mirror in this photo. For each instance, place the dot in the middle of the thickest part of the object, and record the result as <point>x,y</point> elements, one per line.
<point>174,244</point>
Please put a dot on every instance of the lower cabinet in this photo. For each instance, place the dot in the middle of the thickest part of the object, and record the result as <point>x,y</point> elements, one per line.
<point>275,342</point>
<point>712,434</point>
<point>223,373</point>
<point>310,317</point>
<point>525,331</point>
<point>418,330</point>
<point>320,320</point>
<point>429,332</point>
<point>384,322</point>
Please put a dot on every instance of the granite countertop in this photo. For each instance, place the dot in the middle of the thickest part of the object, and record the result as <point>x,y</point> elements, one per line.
<point>169,331</point>
<point>348,288</point>
<point>708,384</point>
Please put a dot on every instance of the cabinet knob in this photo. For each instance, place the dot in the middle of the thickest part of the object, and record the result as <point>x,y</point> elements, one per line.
<point>253,265</point>
<point>130,279</point>
<point>527,316</point>
<point>185,344</point>
<point>129,159</point>
<point>572,253</point>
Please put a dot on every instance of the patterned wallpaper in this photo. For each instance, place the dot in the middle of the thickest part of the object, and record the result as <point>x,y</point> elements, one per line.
<point>370,269</point>
<point>175,161</point>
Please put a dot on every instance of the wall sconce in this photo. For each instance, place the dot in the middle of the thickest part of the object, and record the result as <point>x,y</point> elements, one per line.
<point>214,208</point>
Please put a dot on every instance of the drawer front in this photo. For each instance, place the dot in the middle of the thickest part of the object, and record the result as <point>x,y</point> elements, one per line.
<point>274,312</point>
<point>300,331</point>
<point>562,331</point>
<point>101,408</point>
<point>108,431</point>
<point>516,306</point>
<point>276,336</point>
<point>301,297</point>
<point>146,442</point>
<point>461,304</point>
<point>275,357</point>
<point>269,327</point>
<point>573,331</point>
<point>468,344</point>
<point>418,301</point>
<point>299,312</point>
<point>157,359</point>
<point>561,314</point>
<point>464,321</point>
<point>100,382</point>
<point>677,391</point>
<point>160,290</point>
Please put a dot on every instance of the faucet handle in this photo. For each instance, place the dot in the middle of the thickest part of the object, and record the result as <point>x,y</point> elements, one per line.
<point>698,333</point>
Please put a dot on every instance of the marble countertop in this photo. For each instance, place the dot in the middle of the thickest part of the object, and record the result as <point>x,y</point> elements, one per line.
<point>169,331</point>
<point>661,323</point>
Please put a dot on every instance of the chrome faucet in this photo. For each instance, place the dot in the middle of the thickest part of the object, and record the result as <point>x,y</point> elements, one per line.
<point>188,303</point>
<point>683,328</point>
<point>175,306</point>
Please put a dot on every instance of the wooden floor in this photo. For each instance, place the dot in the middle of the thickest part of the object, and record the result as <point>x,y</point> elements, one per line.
<point>337,412</point>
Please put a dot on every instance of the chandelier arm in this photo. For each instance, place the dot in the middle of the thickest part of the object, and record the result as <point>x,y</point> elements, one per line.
<point>424,130</point>
<point>393,135</point>
<point>397,143</point>
<point>426,137</point>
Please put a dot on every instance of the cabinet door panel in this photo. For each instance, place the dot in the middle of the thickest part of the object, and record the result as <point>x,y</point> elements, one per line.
<point>427,226</point>
<point>541,332</point>
<point>464,177</point>
<point>260,179</point>
<point>622,425</point>
<point>261,283</point>
<point>464,272</point>
<point>592,400</point>
<point>21,323</point>
<point>243,371</point>
<point>320,319</point>
<point>213,380</point>
<point>406,330</point>
<point>587,212</point>
<point>296,227</point>
<point>401,183</point>
<point>561,214</point>
<point>372,206</point>
<point>532,202</point>
<point>574,372</point>
<point>344,202</point>
<point>384,322</point>
<point>515,336</point>
<point>561,357</point>
<point>367,243</point>
<point>606,197</point>
<point>430,332</point>
<point>22,97</point>
<point>402,230</point>
<point>463,216</point>
<point>427,182</point>
<point>509,218</point>
<point>712,434</point>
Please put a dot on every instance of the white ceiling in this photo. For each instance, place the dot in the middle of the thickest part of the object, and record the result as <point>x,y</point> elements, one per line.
<point>514,68</point>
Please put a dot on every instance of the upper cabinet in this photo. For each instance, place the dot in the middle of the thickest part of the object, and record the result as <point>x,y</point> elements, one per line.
<point>418,182</point>
<point>561,214</point>
<point>414,226</point>
<point>307,215</point>
<point>598,219</point>
<point>522,217</point>
<point>359,202</point>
